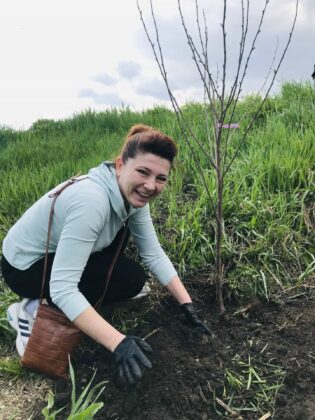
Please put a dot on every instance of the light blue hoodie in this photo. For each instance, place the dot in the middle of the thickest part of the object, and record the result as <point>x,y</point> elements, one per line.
<point>87,217</point>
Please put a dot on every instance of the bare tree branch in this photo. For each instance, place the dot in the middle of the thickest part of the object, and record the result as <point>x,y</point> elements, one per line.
<point>275,72</point>
<point>203,46</point>
<point>270,68</point>
<point>253,46</point>
<point>198,60</point>
<point>231,99</point>
<point>224,56</point>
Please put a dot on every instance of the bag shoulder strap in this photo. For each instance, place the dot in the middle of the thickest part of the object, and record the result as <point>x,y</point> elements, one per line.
<point>55,195</point>
<point>111,267</point>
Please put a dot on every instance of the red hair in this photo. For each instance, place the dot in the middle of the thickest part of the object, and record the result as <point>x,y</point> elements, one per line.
<point>144,139</point>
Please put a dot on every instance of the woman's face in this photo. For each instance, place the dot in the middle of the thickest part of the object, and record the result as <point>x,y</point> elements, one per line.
<point>142,178</point>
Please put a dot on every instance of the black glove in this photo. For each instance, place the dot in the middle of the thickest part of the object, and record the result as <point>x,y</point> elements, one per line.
<point>131,360</point>
<point>194,319</point>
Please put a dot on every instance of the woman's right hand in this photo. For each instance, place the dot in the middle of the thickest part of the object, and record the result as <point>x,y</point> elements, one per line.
<point>131,360</point>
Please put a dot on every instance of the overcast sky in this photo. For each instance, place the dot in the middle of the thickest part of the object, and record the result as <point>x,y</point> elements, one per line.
<point>60,57</point>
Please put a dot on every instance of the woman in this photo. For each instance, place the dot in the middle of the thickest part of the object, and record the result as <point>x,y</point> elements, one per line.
<point>87,221</point>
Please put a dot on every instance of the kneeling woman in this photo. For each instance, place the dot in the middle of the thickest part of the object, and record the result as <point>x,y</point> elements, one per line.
<point>87,221</point>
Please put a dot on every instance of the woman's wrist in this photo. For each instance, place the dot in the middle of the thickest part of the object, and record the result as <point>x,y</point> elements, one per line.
<point>178,291</point>
<point>92,324</point>
<point>114,341</point>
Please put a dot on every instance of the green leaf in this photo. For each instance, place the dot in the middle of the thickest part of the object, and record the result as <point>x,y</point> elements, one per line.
<point>75,405</point>
<point>50,403</point>
<point>72,377</point>
<point>88,413</point>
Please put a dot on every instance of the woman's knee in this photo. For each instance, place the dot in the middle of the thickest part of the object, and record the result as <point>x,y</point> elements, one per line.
<point>130,272</point>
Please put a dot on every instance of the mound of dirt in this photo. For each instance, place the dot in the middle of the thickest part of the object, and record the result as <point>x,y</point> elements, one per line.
<point>263,352</point>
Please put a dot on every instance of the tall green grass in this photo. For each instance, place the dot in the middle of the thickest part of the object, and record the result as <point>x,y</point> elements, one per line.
<point>268,241</point>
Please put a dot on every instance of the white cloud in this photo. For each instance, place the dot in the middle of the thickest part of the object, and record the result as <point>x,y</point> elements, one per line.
<point>129,69</point>
<point>105,79</point>
<point>105,98</point>
<point>153,87</point>
<point>51,49</point>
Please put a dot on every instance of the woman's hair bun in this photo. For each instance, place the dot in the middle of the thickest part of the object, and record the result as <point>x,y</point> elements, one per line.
<point>138,128</point>
<point>145,139</point>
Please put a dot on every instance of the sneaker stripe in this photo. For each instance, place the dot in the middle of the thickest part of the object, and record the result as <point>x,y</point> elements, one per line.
<point>24,334</point>
<point>24,327</point>
<point>23,321</point>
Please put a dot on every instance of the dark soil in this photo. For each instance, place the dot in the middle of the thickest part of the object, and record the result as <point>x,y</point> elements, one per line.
<point>189,378</point>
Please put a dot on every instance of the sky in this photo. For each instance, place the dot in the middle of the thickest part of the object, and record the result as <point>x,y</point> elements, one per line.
<point>62,57</point>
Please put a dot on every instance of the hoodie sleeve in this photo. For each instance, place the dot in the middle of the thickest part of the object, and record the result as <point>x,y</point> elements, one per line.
<point>142,229</point>
<point>83,222</point>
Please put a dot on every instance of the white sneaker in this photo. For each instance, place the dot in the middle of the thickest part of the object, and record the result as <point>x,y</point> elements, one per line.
<point>144,292</point>
<point>22,322</point>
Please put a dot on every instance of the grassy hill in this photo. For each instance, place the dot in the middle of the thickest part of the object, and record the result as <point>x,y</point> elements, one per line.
<point>269,191</point>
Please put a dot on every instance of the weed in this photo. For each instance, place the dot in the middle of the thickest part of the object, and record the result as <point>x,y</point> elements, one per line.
<point>6,298</point>
<point>124,322</point>
<point>11,366</point>
<point>83,407</point>
<point>252,387</point>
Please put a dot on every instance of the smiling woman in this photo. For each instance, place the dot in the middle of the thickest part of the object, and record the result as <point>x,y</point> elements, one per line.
<point>86,227</point>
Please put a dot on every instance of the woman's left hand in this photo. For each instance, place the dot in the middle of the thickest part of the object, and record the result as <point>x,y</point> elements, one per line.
<point>194,319</point>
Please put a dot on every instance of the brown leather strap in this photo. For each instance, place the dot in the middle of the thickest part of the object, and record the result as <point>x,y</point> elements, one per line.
<point>111,267</point>
<point>55,195</point>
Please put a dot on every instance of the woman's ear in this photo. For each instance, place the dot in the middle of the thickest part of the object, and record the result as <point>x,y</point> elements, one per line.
<point>118,164</point>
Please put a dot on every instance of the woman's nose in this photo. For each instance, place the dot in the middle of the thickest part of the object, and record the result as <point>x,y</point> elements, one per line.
<point>150,184</point>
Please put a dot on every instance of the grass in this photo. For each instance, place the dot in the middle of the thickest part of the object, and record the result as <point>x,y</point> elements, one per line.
<point>6,298</point>
<point>11,366</point>
<point>123,321</point>
<point>252,387</point>
<point>21,393</point>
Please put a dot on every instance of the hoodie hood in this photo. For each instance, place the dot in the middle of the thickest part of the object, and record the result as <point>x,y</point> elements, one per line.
<point>105,176</point>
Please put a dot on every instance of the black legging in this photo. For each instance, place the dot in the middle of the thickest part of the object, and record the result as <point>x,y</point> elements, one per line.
<point>127,280</point>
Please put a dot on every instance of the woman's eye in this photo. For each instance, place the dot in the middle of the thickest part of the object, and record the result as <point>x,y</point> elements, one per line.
<point>142,171</point>
<point>162,179</point>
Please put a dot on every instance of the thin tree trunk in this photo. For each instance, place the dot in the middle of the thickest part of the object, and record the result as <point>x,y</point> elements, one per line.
<point>219,230</point>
